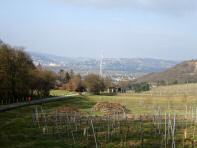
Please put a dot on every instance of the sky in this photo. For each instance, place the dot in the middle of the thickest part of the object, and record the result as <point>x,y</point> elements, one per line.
<point>162,29</point>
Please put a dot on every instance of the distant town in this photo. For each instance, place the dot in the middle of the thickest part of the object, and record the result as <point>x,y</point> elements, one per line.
<point>119,69</point>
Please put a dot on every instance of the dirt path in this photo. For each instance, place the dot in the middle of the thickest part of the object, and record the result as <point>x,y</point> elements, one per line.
<point>17,105</point>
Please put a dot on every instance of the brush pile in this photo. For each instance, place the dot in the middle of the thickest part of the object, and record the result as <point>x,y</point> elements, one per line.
<point>109,108</point>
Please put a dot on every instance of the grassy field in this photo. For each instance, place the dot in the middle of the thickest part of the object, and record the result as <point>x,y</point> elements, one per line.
<point>173,90</point>
<point>60,93</point>
<point>139,105</point>
<point>18,131</point>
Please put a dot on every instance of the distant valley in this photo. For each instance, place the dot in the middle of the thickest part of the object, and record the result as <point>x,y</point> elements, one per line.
<point>116,67</point>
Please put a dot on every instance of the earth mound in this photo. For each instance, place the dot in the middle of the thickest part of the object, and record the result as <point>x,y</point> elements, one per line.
<point>109,108</point>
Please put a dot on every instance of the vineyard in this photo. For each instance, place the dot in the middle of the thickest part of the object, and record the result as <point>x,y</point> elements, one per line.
<point>119,130</point>
<point>172,90</point>
<point>97,121</point>
<point>165,117</point>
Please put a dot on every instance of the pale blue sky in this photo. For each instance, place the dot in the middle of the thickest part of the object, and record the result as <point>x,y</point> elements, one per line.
<point>164,29</point>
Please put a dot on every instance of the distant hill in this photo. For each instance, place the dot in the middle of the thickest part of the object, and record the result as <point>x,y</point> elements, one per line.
<point>181,73</point>
<point>135,66</point>
<point>1,42</point>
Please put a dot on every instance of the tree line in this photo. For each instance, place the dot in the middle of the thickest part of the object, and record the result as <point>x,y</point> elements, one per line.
<point>20,79</point>
<point>75,82</point>
<point>96,84</point>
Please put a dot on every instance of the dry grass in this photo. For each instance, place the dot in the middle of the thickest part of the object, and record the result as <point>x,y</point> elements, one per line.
<point>172,98</point>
